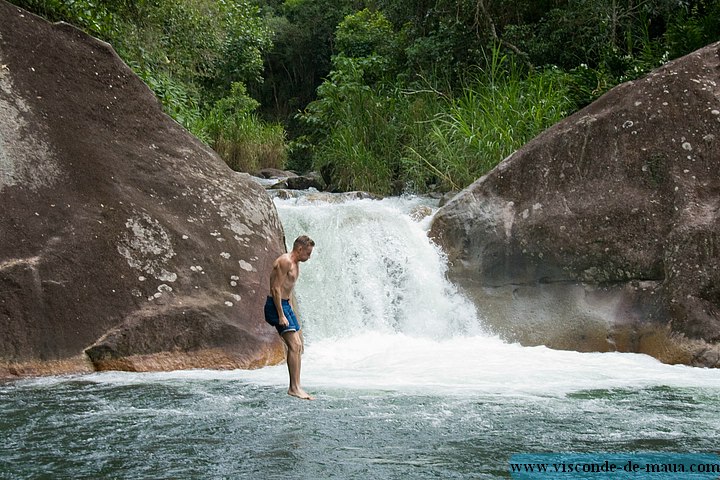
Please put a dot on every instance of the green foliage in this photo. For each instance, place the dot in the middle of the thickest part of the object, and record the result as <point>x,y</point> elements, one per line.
<point>91,15</point>
<point>697,25</point>
<point>246,38</point>
<point>586,84</point>
<point>195,55</point>
<point>239,136</point>
<point>351,122</point>
<point>394,94</point>
<point>365,33</point>
<point>176,97</point>
<point>385,139</point>
<point>497,112</point>
<point>353,128</point>
<point>303,44</point>
<point>381,100</point>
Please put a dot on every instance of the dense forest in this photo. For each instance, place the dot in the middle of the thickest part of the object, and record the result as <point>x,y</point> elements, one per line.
<point>388,95</point>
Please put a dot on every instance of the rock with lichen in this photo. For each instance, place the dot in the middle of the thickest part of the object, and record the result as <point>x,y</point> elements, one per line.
<point>125,243</point>
<point>603,233</point>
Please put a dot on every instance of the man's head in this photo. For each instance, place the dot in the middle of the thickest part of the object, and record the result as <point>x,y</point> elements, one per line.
<point>303,246</point>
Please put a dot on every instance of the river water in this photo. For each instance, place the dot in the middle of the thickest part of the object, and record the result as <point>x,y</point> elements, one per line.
<point>409,384</point>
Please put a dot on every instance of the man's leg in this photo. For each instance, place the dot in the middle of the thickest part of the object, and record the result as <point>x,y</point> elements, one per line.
<point>294,355</point>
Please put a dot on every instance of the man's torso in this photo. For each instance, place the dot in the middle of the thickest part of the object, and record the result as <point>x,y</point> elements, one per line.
<point>288,282</point>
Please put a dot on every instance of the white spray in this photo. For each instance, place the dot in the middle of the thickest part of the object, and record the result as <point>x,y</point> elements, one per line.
<point>378,313</point>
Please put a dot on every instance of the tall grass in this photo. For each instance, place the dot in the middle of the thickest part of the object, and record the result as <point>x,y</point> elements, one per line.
<point>358,129</point>
<point>385,139</point>
<point>497,112</point>
<point>247,143</point>
<point>239,136</point>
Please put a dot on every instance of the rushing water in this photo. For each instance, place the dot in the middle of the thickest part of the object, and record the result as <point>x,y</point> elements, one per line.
<point>409,385</point>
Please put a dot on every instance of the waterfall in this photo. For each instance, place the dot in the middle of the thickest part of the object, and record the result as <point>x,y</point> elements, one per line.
<point>406,381</point>
<point>373,269</point>
<point>378,312</point>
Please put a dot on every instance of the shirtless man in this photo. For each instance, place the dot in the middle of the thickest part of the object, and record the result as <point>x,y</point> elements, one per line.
<point>279,313</point>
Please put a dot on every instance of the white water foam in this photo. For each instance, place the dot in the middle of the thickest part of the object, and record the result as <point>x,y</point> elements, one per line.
<point>460,366</point>
<point>373,270</point>
<point>379,315</point>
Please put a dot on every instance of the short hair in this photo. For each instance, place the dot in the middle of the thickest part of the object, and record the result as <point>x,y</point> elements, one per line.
<point>303,241</point>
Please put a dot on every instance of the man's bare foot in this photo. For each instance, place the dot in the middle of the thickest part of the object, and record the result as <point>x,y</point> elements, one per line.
<point>301,394</point>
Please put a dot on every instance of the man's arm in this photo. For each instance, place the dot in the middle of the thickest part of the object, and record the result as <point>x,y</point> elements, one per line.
<point>280,270</point>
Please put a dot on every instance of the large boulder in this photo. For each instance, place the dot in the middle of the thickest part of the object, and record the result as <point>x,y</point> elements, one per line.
<point>603,233</point>
<point>125,243</point>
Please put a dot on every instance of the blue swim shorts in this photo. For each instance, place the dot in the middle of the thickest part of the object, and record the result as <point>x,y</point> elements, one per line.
<point>271,316</point>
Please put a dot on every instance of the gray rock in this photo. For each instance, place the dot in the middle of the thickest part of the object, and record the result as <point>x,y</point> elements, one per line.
<point>120,233</point>
<point>446,197</point>
<point>602,233</point>
<point>304,182</point>
<point>323,197</point>
<point>275,173</point>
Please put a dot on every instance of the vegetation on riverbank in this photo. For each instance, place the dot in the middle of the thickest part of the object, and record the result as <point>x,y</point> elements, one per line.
<point>386,95</point>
